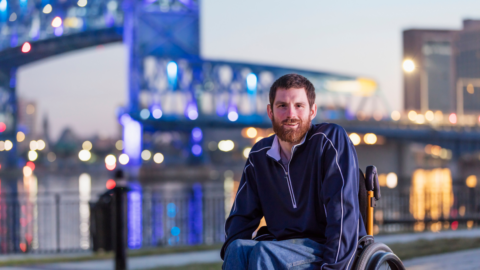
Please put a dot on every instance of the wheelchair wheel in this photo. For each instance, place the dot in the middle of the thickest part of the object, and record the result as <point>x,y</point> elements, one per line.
<point>378,256</point>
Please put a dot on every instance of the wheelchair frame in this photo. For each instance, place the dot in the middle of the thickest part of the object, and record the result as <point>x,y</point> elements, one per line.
<point>370,254</point>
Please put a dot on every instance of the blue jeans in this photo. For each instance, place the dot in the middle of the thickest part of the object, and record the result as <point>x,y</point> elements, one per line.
<point>287,254</point>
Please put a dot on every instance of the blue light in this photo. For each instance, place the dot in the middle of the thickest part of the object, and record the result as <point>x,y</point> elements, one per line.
<point>196,150</point>
<point>144,114</point>
<point>23,4</point>
<point>58,31</point>
<point>134,219</point>
<point>197,134</point>
<point>232,114</point>
<point>3,5</point>
<point>175,231</point>
<point>132,138</point>
<point>172,70</point>
<point>171,210</point>
<point>252,82</point>
<point>195,216</point>
<point>191,111</point>
<point>157,112</point>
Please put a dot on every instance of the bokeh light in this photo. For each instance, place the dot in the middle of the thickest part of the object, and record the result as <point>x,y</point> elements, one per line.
<point>110,184</point>
<point>412,115</point>
<point>8,145</point>
<point>27,171</point>
<point>392,180</point>
<point>157,113</point>
<point>33,145</point>
<point>87,145</point>
<point>408,65</point>
<point>110,160</point>
<point>20,136</point>
<point>41,144</point>
<point>119,145</point>
<point>251,132</point>
<point>82,3</point>
<point>26,47</point>
<point>57,22</point>
<point>51,156</point>
<point>452,118</point>
<point>226,145</point>
<point>123,159</point>
<point>355,138</point>
<point>370,138</point>
<point>31,165</point>
<point>84,155</point>
<point>197,134</point>
<point>158,158</point>
<point>232,116</point>
<point>146,154</point>
<point>196,150</point>
<point>471,181</point>
<point>144,114</point>
<point>246,151</point>
<point>47,9</point>
<point>395,115</point>
<point>429,115</point>
<point>32,155</point>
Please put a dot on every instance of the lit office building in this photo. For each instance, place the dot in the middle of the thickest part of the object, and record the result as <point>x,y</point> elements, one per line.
<point>442,69</point>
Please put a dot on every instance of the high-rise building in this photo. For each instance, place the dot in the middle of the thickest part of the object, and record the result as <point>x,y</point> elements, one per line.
<point>442,69</point>
<point>467,67</point>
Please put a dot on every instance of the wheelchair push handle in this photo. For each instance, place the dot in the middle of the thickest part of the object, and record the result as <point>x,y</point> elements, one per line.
<point>371,178</point>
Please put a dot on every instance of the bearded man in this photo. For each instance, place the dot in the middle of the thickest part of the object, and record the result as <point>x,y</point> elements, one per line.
<point>304,181</point>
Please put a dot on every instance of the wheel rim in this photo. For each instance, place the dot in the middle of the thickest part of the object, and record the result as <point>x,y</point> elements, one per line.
<point>385,261</point>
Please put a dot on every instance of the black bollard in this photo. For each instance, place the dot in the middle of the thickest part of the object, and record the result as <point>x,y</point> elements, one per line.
<point>120,227</point>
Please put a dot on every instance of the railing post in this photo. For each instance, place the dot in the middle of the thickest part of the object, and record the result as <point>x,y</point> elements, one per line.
<point>120,228</point>
<point>57,220</point>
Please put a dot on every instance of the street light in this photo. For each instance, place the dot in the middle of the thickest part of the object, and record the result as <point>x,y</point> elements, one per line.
<point>409,67</point>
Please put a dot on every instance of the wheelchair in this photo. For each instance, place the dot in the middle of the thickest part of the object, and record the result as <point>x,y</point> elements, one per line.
<point>370,254</point>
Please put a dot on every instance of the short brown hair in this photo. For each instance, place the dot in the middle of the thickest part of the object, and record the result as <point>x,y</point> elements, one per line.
<point>293,81</point>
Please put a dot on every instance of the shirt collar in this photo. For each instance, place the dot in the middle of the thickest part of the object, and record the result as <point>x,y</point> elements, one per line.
<point>274,151</point>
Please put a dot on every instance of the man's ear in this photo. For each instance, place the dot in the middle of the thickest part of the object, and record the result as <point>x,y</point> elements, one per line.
<point>269,112</point>
<point>313,112</point>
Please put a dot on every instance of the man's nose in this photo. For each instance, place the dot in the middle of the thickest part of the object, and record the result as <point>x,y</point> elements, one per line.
<point>291,113</point>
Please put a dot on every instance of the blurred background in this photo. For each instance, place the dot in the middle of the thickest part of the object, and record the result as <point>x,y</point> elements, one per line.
<point>174,93</point>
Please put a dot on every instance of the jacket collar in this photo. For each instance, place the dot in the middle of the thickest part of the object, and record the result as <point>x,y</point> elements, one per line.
<point>274,151</point>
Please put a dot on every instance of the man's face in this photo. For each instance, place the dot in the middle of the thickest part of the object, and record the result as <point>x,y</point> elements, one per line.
<point>291,115</point>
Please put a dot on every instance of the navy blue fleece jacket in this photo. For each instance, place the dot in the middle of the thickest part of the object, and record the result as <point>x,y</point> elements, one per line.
<point>316,197</point>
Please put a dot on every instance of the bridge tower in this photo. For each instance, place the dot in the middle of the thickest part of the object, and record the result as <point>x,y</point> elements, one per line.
<point>155,32</point>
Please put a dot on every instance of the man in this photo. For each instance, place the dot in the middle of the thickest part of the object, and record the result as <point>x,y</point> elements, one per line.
<point>304,181</point>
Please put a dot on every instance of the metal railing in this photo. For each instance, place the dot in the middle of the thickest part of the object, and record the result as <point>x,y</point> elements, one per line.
<point>63,222</point>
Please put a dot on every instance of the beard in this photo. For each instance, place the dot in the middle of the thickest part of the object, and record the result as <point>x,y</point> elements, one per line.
<point>289,134</point>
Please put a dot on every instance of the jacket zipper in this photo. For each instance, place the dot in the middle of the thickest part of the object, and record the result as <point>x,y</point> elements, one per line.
<point>289,182</point>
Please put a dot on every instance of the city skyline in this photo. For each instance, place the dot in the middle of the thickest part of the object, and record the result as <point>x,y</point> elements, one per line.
<point>320,40</point>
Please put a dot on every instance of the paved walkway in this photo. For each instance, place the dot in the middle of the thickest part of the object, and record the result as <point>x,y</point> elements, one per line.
<point>134,263</point>
<point>458,260</point>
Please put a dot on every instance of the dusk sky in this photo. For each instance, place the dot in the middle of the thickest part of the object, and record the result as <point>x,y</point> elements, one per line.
<point>363,38</point>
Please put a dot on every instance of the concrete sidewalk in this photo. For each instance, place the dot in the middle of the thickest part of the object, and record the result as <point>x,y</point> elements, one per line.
<point>211,256</point>
<point>134,263</point>
<point>460,260</point>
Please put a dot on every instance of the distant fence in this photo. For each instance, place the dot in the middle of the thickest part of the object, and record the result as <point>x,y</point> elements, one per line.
<point>433,209</point>
<point>62,222</point>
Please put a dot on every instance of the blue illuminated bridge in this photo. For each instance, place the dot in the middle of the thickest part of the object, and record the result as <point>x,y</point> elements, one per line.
<point>172,87</point>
